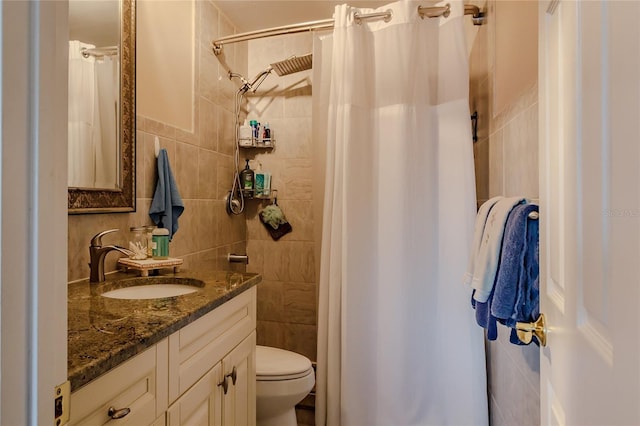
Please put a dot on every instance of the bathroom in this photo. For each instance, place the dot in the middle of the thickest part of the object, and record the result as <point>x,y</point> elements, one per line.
<point>503,90</point>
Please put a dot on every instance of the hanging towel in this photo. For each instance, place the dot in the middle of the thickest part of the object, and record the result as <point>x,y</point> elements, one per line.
<point>167,205</point>
<point>484,318</point>
<point>516,293</point>
<point>486,262</point>
<point>481,220</point>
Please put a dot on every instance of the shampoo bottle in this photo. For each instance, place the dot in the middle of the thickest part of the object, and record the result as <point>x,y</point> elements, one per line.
<point>245,136</point>
<point>247,180</point>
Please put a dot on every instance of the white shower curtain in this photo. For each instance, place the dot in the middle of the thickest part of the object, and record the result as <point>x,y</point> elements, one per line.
<point>397,341</point>
<point>93,119</point>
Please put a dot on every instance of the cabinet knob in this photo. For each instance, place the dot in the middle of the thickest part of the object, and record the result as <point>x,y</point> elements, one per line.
<point>233,375</point>
<point>224,384</point>
<point>118,414</point>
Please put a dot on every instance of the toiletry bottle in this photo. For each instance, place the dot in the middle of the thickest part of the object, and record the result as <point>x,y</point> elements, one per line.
<point>160,242</point>
<point>247,180</point>
<point>260,140</point>
<point>254,129</point>
<point>266,191</point>
<point>266,135</point>
<point>258,190</point>
<point>245,135</point>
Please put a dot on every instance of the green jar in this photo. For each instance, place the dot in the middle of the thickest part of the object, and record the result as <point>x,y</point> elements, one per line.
<point>160,243</point>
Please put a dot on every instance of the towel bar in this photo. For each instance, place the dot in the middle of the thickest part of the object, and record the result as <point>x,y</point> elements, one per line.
<point>526,330</point>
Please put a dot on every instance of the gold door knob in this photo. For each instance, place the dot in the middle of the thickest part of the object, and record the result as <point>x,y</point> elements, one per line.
<point>526,330</point>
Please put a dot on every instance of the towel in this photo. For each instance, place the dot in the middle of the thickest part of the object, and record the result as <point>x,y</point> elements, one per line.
<point>484,318</point>
<point>166,206</point>
<point>481,220</point>
<point>486,262</point>
<point>518,266</point>
<point>516,293</point>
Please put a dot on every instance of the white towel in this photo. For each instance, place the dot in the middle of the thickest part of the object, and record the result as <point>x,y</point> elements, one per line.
<point>486,262</point>
<point>481,220</point>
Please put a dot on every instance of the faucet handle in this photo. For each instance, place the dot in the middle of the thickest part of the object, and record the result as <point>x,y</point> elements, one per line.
<point>96,241</point>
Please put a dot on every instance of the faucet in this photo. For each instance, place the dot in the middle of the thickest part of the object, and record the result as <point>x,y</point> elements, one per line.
<point>97,253</point>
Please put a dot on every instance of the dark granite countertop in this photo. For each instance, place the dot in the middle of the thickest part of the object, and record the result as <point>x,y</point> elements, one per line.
<point>104,332</point>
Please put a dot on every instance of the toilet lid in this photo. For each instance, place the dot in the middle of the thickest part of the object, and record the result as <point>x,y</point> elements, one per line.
<point>278,364</point>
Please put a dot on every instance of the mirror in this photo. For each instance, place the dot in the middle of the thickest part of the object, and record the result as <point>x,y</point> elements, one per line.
<point>101,146</point>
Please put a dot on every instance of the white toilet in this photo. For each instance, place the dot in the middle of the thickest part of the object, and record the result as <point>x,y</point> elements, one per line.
<point>283,378</point>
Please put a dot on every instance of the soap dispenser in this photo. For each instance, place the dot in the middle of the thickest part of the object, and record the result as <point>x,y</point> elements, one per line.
<point>247,178</point>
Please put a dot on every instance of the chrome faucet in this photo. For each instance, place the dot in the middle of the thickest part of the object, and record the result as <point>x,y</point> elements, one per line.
<point>97,253</point>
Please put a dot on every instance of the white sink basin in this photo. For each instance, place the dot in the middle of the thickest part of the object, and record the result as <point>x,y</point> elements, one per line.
<point>150,291</point>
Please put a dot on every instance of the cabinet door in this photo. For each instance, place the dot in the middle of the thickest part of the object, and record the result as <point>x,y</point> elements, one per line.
<point>240,400</point>
<point>201,405</point>
<point>138,384</point>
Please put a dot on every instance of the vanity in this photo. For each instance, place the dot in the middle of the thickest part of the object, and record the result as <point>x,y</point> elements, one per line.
<point>188,359</point>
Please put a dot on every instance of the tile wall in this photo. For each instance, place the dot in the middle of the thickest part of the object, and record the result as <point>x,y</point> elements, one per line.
<point>287,295</point>
<point>201,160</point>
<point>506,161</point>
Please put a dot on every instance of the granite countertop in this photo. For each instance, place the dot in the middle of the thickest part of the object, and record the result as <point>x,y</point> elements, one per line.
<point>104,332</point>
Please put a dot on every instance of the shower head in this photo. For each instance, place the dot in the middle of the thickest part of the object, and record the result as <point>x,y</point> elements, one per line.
<point>293,64</point>
<point>257,81</point>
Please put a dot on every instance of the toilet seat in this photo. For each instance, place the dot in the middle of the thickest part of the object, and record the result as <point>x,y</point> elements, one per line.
<point>273,364</point>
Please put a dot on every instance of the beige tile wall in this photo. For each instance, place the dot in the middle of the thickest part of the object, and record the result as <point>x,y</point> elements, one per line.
<point>201,160</point>
<point>506,161</point>
<point>287,297</point>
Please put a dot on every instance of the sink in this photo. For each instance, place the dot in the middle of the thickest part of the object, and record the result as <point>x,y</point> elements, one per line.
<point>152,288</point>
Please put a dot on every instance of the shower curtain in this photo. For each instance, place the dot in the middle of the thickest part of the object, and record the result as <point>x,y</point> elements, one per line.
<point>397,343</point>
<point>93,119</point>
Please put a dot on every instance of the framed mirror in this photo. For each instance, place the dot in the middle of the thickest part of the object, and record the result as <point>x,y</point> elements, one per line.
<point>102,109</point>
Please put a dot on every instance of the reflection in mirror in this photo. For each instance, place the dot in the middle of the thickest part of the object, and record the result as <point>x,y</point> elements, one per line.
<point>101,106</point>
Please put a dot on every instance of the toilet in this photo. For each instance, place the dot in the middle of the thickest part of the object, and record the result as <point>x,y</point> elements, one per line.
<point>283,378</point>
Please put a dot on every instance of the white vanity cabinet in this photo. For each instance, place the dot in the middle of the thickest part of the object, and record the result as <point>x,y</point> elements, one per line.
<point>214,358</point>
<point>182,379</point>
<point>139,384</point>
<point>224,396</point>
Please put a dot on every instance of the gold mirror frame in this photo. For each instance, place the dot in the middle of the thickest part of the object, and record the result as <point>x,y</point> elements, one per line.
<point>82,200</point>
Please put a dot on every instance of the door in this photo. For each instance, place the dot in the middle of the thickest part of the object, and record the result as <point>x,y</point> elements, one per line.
<point>201,404</point>
<point>240,400</point>
<point>590,211</point>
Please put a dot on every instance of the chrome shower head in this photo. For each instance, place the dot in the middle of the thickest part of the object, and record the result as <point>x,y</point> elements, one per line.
<point>293,64</point>
<point>257,81</point>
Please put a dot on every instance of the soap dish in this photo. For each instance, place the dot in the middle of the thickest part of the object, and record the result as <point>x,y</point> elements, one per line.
<point>146,265</point>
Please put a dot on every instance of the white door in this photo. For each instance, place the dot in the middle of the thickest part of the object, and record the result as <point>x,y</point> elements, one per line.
<point>33,225</point>
<point>590,211</point>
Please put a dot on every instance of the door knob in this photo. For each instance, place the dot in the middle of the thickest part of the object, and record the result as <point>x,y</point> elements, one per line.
<point>526,331</point>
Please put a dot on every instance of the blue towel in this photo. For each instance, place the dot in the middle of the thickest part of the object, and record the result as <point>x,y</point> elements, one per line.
<point>483,316</point>
<point>167,204</point>
<point>516,292</point>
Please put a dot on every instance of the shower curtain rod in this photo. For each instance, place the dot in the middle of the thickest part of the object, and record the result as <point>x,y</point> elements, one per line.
<point>423,11</point>
<point>100,51</point>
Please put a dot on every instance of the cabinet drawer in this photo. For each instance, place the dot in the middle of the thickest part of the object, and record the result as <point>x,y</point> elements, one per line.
<point>196,348</point>
<point>139,384</point>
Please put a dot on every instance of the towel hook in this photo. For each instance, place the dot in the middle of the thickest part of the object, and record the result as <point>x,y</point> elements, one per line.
<point>156,142</point>
<point>474,124</point>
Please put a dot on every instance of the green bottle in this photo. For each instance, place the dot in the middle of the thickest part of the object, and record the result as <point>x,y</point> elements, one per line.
<point>246,180</point>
